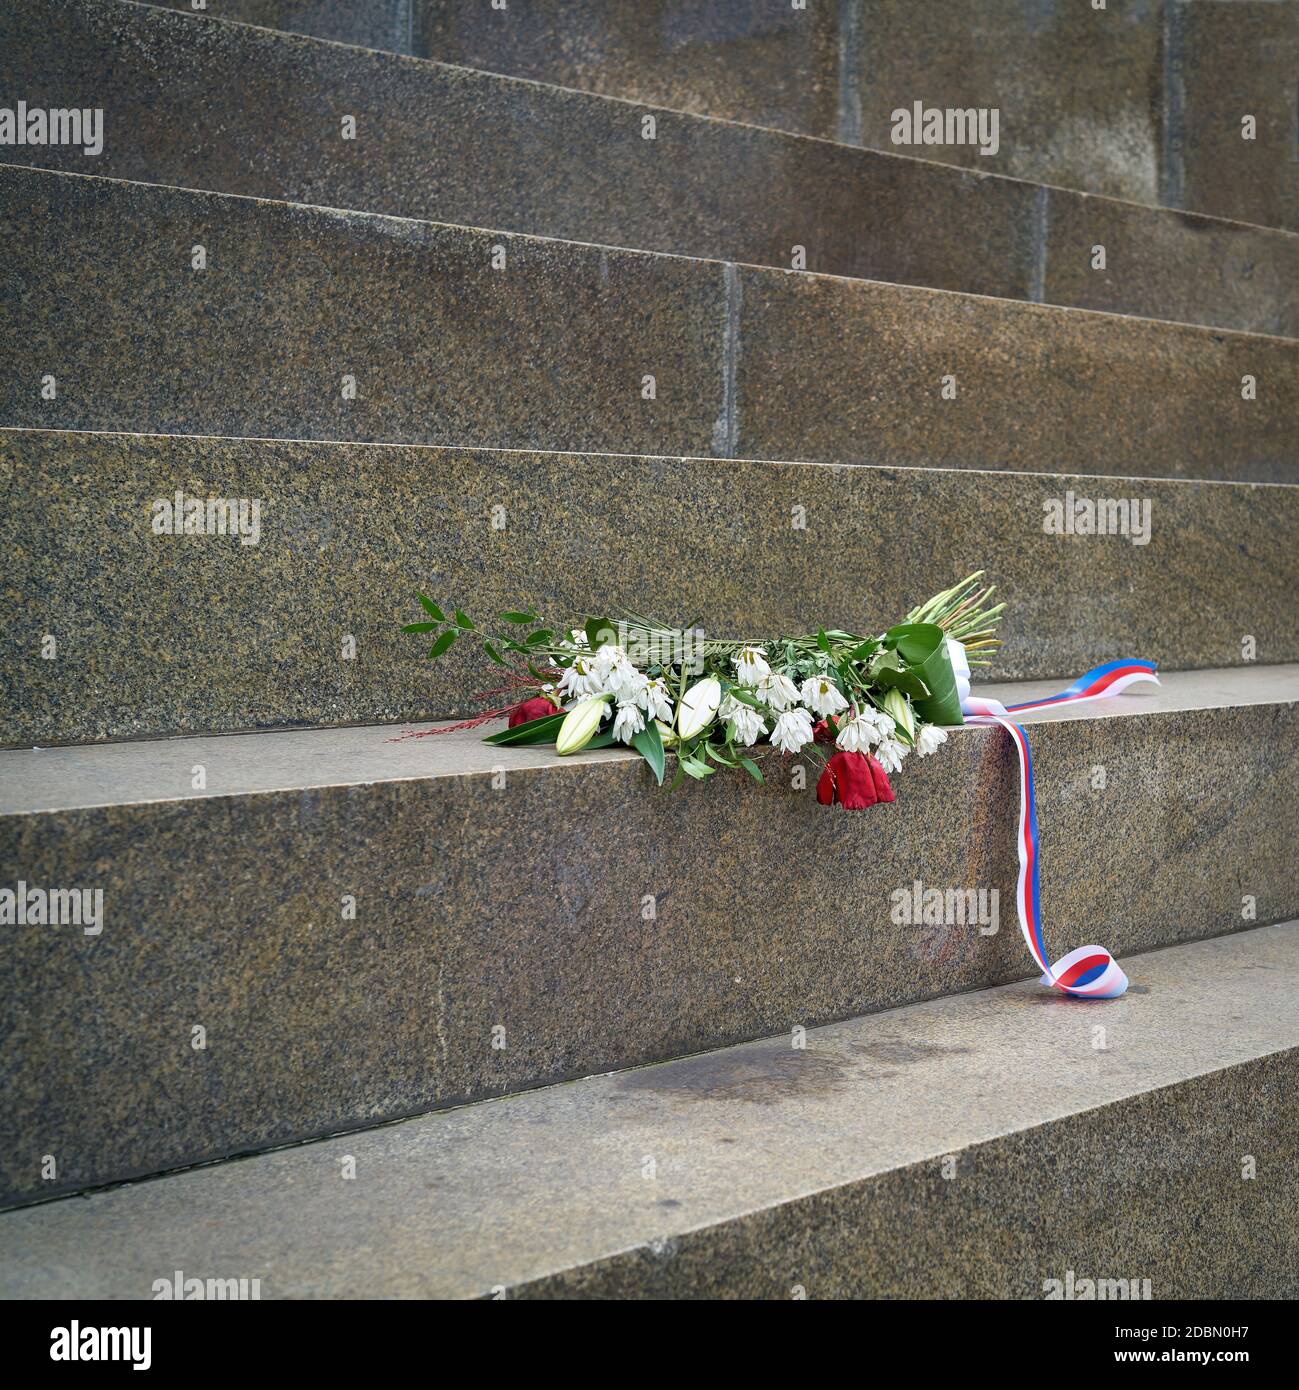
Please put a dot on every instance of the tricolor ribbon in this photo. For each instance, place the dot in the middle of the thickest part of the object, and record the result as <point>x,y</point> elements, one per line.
<point>1090,972</point>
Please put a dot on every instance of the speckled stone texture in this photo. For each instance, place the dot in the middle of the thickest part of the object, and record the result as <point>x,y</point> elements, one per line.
<point>853,372</point>
<point>1237,58</point>
<point>514,896</point>
<point>927,1152</point>
<point>549,352</point>
<point>482,150</point>
<point>759,61</point>
<point>1170,265</point>
<point>186,634</point>
<point>1079,89</point>
<point>487,151</point>
<point>554,351</point>
<point>382,24</point>
<point>1141,100</point>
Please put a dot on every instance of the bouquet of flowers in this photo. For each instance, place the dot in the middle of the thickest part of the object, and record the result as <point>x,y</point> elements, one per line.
<point>857,705</point>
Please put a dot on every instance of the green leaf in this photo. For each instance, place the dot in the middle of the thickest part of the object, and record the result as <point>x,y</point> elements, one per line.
<point>601,740</point>
<point>543,676</point>
<point>541,730</point>
<point>520,618</point>
<point>442,644</point>
<point>431,608</point>
<point>693,768</point>
<point>538,638</point>
<point>906,681</point>
<point>494,654</point>
<point>751,768</point>
<point>738,692</point>
<point>598,632</point>
<point>888,670</point>
<point>867,648</point>
<point>421,627</point>
<point>649,744</point>
<point>823,641</point>
<point>462,621</point>
<point>924,648</point>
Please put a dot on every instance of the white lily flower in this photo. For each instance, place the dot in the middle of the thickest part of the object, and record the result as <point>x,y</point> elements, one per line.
<point>777,691</point>
<point>899,707</point>
<point>609,656</point>
<point>627,723</point>
<point>748,724</point>
<point>580,679</point>
<point>793,730</point>
<point>821,696</point>
<point>751,665</point>
<point>882,721</point>
<point>580,725</point>
<point>890,753</point>
<point>577,638</point>
<point>627,684</point>
<point>655,700</point>
<point>613,673</point>
<point>929,740</point>
<point>861,733</point>
<point>698,707</point>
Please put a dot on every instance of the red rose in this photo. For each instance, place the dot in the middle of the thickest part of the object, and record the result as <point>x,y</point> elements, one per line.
<point>536,708</point>
<point>854,780</point>
<point>821,732</point>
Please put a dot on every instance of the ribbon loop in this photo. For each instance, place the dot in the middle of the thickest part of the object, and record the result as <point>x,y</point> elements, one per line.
<point>1089,972</point>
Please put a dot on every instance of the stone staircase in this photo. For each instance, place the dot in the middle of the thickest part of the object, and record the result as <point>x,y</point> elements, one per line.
<point>425,352</point>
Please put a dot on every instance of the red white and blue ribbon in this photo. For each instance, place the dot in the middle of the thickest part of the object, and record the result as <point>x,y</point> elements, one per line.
<point>1089,972</point>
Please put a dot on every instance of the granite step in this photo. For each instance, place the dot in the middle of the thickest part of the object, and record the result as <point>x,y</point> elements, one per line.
<point>366,929</point>
<point>1000,1144</point>
<point>477,149</point>
<point>160,634</point>
<point>1134,99</point>
<point>319,323</point>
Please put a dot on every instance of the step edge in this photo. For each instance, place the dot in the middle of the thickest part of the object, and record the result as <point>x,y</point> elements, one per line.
<point>291,35</point>
<point>339,213</point>
<point>577,455</point>
<point>576,764</point>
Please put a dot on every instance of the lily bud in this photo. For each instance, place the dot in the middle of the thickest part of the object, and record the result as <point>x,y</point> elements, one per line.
<point>580,725</point>
<point>665,733</point>
<point>898,708</point>
<point>698,707</point>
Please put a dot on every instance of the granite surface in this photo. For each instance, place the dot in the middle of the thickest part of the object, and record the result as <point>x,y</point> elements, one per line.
<point>761,61</point>
<point>1238,58</point>
<point>1079,90</point>
<point>1170,265</point>
<point>1139,100</point>
<point>921,1153</point>
<point>81,776</point>
<point>385,24</point>
<point>853,372</point>
<point>478,149</point>
<point>481,150</point>
<point>550,351</point>
<point>557,349</point>
<point>567,906</point>
<point>161,634</point>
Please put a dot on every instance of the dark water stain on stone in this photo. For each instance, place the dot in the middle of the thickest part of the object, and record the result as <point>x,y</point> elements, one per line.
<point>901,1054</point>
<point>761,1076</point>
